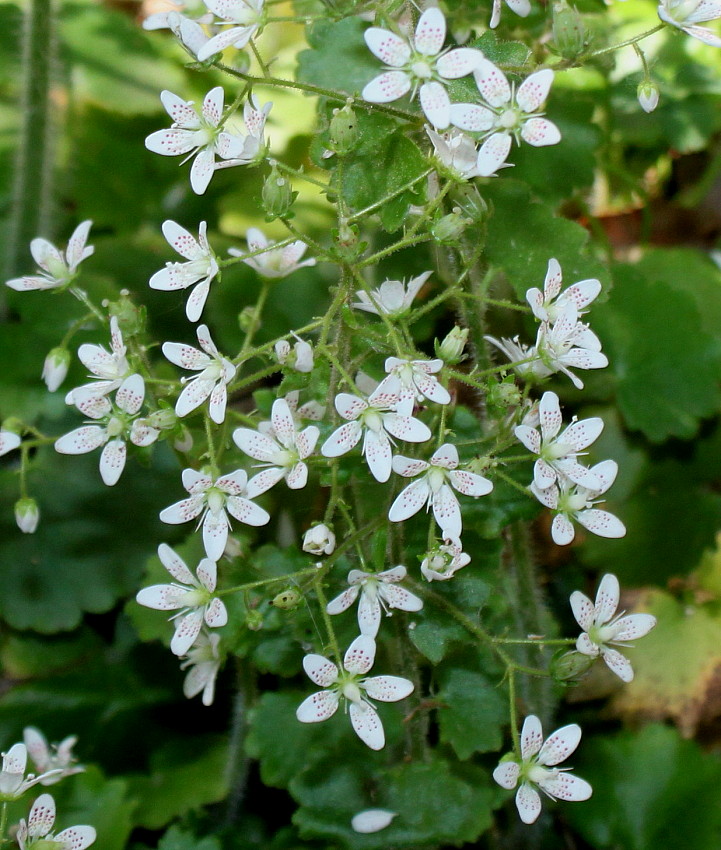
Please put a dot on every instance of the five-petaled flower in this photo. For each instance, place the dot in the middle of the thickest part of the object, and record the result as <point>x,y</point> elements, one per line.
<point>216,372</point>
<point>603,628</point>
<point>13,782</point>
<point>57,759</point>
<point>419,61</point>
<point>350,682</point>
<point>566,344</point>
<point>413,380</point>
<point>209,499</point>
<point>58,269</point>
<point>443,562</point>
<point>686,15</point>
<point>271,261</point>
<point>537,769</point>
<point>377,590</point>
<point>193,598</point>
<point>549,304</point>
<point>110,368</point>
<point>434,488</point>
<point>245,16</point>
<point>199,270</point>
<point>282,448</point>
<point>461,156</point>
<point>37,830</point>
<point>393,298</point>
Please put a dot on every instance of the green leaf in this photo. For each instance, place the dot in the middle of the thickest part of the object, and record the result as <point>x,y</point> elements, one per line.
<point>647,787</point>
<point>473,712</point>
<point>323,66</point>
<point>178,839</point>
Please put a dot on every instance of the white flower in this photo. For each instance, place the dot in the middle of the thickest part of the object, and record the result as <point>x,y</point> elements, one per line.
<point>204,662</point>
<point>201,134</point>
<point>58,269</point>
<point>568,343</point>
<point>443,562</point>
<point>200,269</point>
<point>193,598</point>
<point>459,153</point>
<point>373,419</point>
<point>351,684</point>
<point>301,358</point>
<point>109,368</point>
<point>548,305</point>
<point>210,499</point>
<point>371,820</point>
<point>57,759</point>
<point>9,440</point>
<point>245,15</point>
<point>377,590</point>
<point>27,515</point>
<point>55,367</point>
<point>272,262</point>
<point>319,540</point>
<point>603,629</point>
<point>537,769</point>
<point>434,488</point>
<point>687,14</point>
<point>508,114</point>
<point>120,422</point>
<point>557,453</point>
<point>419,61</point>
<point>13,783</point>
<point>524,358</point>
<point>188,31</point>
<point>216,372</point>
<point>571,501</point>
<point>393,298</point>
<point>413,380</point>
<point>648,95</point>
<point>520,7</point>
<point>37,830</point>
<point>282,449</point>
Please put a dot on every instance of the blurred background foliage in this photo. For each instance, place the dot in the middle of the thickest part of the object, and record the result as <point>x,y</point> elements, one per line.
<point>634,199</point>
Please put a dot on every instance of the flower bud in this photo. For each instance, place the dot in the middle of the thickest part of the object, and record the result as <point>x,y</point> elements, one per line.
<point>647,94</point>
<point>569,32</point>
<point>163,419</point>
<point>566,666</point>
<point>468,200</point>
<point>300,358</point>
<point>448,229</point>
<point>27,515</point>
<point>503,394</point>
<point>247,318</point>
<point>131,318</point>
<point>13,424</point>
<point>183,443</point>
<point>343,130</point>
<point>451,349</point>
<point>319,540</point>
<point>55,368</point>
<point>254,620</point>
<point>287,599</point>
<point>277,194</point>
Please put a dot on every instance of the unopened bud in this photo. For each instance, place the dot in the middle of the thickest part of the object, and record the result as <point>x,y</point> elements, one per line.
<point>448,230</point>
<point>319,540</point>
<point>183,443</point>
<point>254,620</point>
<point>163,419</point>
<point>299,358</point>
<point>13,424</point>
<point>343,130</point>
<point>569,32</point>
<point>55,368</point>
<point>247,318</point>
<point>287,599</point>
<point>469,202</point>
<point>277,193</point>
<point>503,395</point>
<point>27,515</point>
<point>131,318</point>
<point>647,94</point>
<point>566,666</point>
<point>451,349</point>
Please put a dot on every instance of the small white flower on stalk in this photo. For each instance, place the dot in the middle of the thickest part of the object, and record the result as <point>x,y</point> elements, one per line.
<point>283,449</point>
<point>46,758</point>
<point>568,343</point>
<point>193,598</point>
<point>377,590</point>
<point>508,114</point>
<point>443,562</point>
<point>419,62</point>
<point>525,360</point>
<point>537,769</point>
<point>27,515</point>
<point>110,368</point>
<point>245,17</point>
<point>439,478</point>
<point>351,684</point>
<point>120,423</point>
<point>556,452</point>
<point>459,153</point>
<point>216,372</point>
<point>373,419</point>
<point>549,304</point>
<point>572,501</point>
<point>200,134</point>
<point>300,357</point>
<point>58,269</point>
<point>272,262</point>
<point>37,830</point>
<point>371,820</point>
<point>413,380</point>
<point>9,440</point>
<point>55,368</point>
<point>13,783</point>
<point>603,628</point>
<point>687,14</point>
<point>209,500</point>
<point>648,95</point>
<point>199,270</point>
<point>319,540</point>
<point>393,298</point>
<point>521,7</point>
<point>202,663</point>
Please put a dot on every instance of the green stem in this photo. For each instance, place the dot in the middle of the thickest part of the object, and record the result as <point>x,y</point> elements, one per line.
<point>399,191</point>
<point>629,41</point>
<point>323,602</point>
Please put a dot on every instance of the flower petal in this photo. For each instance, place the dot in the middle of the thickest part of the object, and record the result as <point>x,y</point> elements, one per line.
<point>317,707</point>
<point>533,91</point>
<point>174,564</point>
<point>387,46</point>
<point>436,104</point>
<point>378,454</point>
<point>387,688</point>
<point>559,746</point>
<point>447,512</point>
<point>493,154</point>
<point>607,598</point>
<point>540,132</point>
<point>342,440</point>
<point>360,655</point>
<point>406,428</point>
<point>181,240</point>
<point>264,480</point>
<point>634,626</point>
<point>320,670</point>
<point>528,803</point>
<point>247,512</point>
<point>386,87</point>
<point>566,786</point>
<point>430,32</point>
<point>196,300</point>
<point>492,83</point>
<point>76,837</point>
<point>602,523</point>
<point>410,500</point>
<point>202,170</point>
<point>130,394</point>
<point>187,629</point>
<point>399,597</point>
<point>506,774</point>
<point>183,511</point>
<point>367,725</point>
<point>350,406</point>
<point>458,63</point>
<point>255,445</point>
<point>583,609</point>
<point>471,116</point>
<point>369,615</point>
<point>531,737</point>
<point>81,440</point>
<point>112,461</point>
<point>562,530</point>
<point>215,534</point>
<point>42,816</point>
<point>343,601</point>
<point>470,483</point>
<point>617,663</point>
